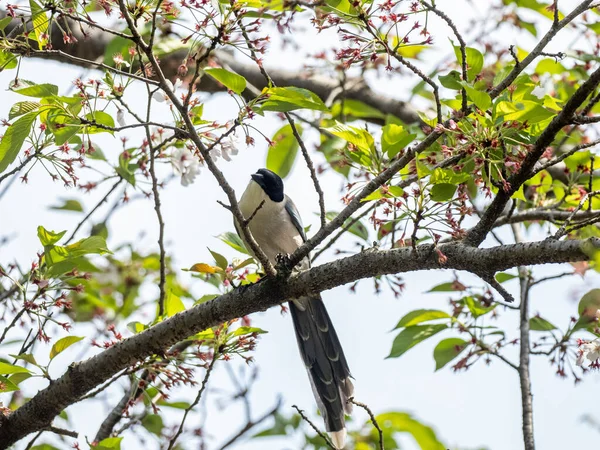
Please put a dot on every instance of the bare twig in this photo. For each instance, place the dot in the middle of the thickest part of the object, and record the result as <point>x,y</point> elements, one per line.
<point>94,209</point>
<point>562,230</point>
<point>195,402</point>
<point>314,427</point>
<point>524,375</point>
<point>251,424</point>
<point>304,150</point>
<point>554,29</point>
<point>19,167</point>
<point>372,417</point>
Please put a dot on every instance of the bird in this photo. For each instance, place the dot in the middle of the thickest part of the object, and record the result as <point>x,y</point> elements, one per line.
<point>277,228</point>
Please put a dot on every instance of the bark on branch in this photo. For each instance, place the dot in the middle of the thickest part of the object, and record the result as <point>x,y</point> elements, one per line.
<point>38,413</point>
<point>89,51</point>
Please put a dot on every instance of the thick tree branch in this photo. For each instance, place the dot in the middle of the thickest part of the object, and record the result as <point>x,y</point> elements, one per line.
<point>478,233</point>
<point>88,51</point>
<point>80,378</point>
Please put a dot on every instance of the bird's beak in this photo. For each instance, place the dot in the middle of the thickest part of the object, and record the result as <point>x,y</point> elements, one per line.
<point>258,177</point>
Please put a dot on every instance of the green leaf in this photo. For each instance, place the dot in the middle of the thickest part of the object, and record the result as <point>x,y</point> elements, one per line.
<point>6,385</point>
<point>284,99</point>
<point>442,192</point>
<point>153,423</point>
<point>234,241</point>
<point>4,22</point>
<point>395,422</point>
<point>49,237</point>
<point>521,111</point>
<point>7,59</point>
<point>38,90</point>
<point>355,109</point>
<point>230,80</point>
<point>502,277</point>
<point>477,308</point>
<point>357,136</point>
<point>101,118</point>
<point>445,287</point>
<point>13,139</point>
<point>7,369</point>
<point>40,23</point>
<point>481,99</point>
<point>86,246</point>
<point>111,443</point>
<point>451,81</point>
<point>20,108</point>
<point>447,350</point>
<point>394,138</point>
<point>205,298</point>
<point>242,331</point>
<point>173,304</point>
<point>282,153</point>
<point>537,323</point>
<point>420,316</point>
<point>136,327</point>
<point>474,60</point>
<point>62,344</point>
<point>411,336</point>
<point>219,259</point>
<point>589,304</point>
<point>68,205</point>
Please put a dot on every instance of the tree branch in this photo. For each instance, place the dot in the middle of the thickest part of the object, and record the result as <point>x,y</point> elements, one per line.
<point>80,378</point>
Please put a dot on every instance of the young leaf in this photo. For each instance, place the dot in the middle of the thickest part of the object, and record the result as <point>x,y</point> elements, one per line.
<point>411,336</point>
<point>219,259</point>
<point>7,369</point>
<point>68,205</point>
<point>421,315</point>
<point>230,80</point>
<point>173,304</point>
<point>447,350</point>
<point>40,23</point>
<point>49,237</point>
<point>203,268</point>
<point>20,108</point>
<point>285,99</point>
<point>13,139</point>
<point>234,241</point>
<point>537,323</point>
<point>6,385</point>
<point>241,331</point>
<point>38,90</point>
<point>62,344</point>
<point>481,99</point>
<point>282,153</point>
<point>442,192</point>
<point>474,60</point>
<point>357,136</point>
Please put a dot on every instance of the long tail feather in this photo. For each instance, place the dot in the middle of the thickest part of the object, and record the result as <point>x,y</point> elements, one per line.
<point>325,362</point>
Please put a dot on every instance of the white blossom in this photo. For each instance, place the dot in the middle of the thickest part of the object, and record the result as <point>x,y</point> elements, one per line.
<point>121,117</point>
<point>160,95</point>
<point>185,164</point>
<point>228,149</point>
<point>588,350</point>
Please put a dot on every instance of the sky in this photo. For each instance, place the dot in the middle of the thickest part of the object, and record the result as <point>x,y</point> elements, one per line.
<point>469,410</point>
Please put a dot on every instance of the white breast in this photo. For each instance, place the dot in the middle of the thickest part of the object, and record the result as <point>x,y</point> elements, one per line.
<point>271,226</point>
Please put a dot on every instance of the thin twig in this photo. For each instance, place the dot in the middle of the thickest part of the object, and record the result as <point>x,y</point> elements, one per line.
<point>372,417</point>
<point>19,167</point>
<point>562,230</point>
<point>305,154</point>
<point>251,424</point>
<point>314,427</point>
<point>195,402</point>
<point>94,209</point>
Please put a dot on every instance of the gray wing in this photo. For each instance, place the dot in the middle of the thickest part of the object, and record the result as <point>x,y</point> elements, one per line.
<point>295,216</point>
